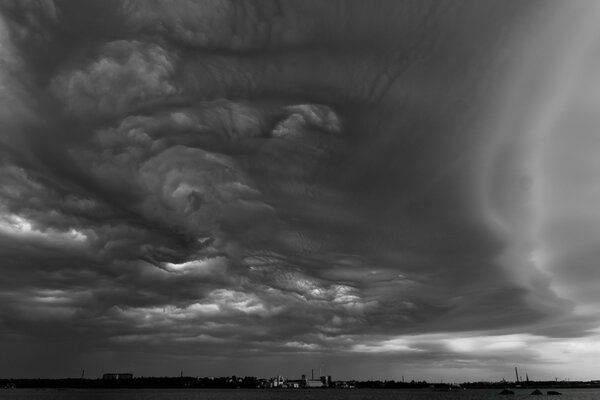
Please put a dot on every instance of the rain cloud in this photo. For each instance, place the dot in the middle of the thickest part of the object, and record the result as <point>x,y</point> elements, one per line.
<point>237,187</point>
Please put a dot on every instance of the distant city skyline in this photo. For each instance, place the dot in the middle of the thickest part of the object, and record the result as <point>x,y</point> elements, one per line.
<point>128,379</point>
<point>388,188</point>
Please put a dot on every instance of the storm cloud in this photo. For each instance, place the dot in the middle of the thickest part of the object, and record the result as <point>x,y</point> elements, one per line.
<point>254,187</point>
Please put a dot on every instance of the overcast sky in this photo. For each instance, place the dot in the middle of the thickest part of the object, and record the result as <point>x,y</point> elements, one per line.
<point>389,188</point>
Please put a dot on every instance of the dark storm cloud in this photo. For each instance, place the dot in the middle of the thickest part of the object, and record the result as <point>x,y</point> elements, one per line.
<point>258,179</point>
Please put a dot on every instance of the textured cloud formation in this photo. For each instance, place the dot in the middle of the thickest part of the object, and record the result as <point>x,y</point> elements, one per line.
<point>269,186</point>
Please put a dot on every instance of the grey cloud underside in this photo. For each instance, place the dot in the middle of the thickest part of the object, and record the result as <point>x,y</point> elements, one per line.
<point>283,176</point>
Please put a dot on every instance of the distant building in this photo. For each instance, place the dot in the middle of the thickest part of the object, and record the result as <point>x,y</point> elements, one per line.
<point>294,384</point>
<point>313,383</point>
<point>117,376</point>
<point>277,382</point>
<point>263,383</point>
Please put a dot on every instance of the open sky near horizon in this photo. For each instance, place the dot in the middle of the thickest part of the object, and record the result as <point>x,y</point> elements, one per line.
<point>370,188</point>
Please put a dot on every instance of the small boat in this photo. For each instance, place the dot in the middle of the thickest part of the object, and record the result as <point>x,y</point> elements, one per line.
<point>536,392</point>
<point>507,392</point>
<point>553,393</point>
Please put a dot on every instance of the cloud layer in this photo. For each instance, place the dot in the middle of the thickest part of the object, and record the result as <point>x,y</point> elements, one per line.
<point>260,185</point>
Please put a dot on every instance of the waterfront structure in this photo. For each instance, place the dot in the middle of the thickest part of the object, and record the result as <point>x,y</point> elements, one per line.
<point>314,383</point>
<point>277,382</point>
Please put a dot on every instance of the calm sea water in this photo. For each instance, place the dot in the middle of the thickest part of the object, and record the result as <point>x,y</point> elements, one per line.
<point>284,394</point>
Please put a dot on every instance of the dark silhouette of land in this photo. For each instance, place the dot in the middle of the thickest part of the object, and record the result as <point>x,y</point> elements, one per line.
<point>233,382</point>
